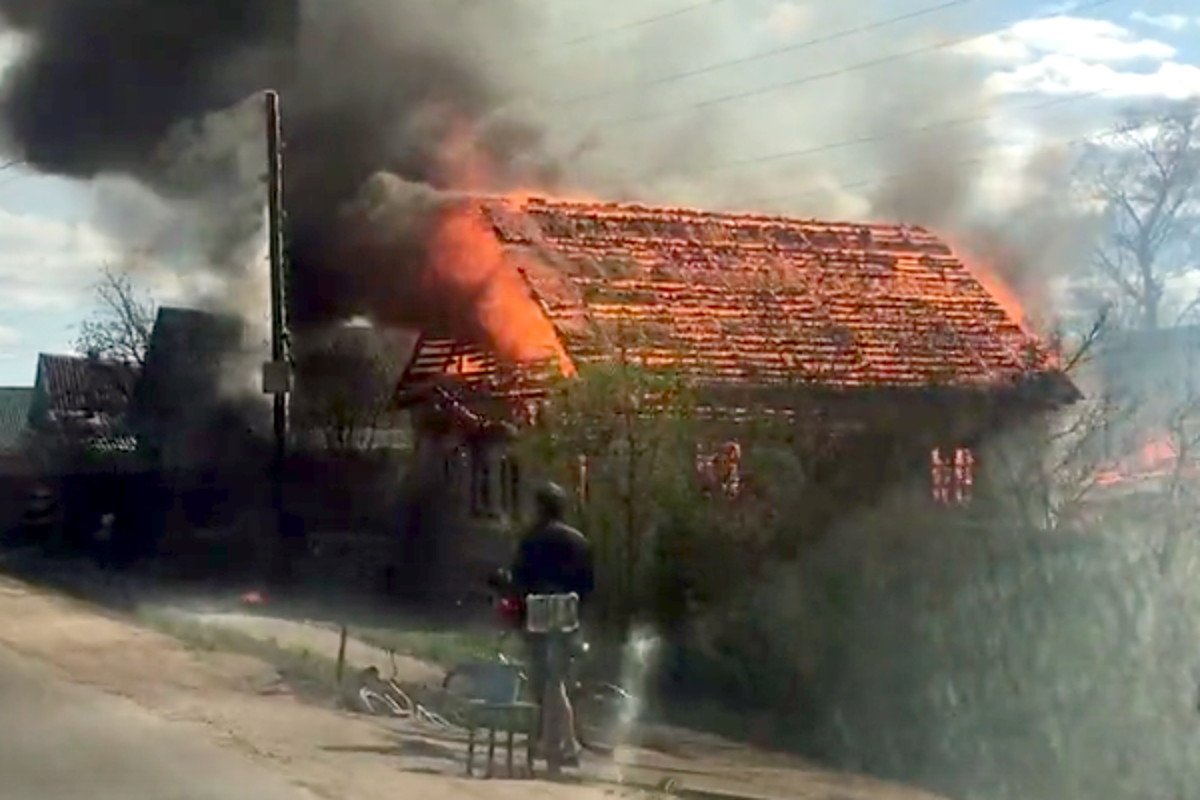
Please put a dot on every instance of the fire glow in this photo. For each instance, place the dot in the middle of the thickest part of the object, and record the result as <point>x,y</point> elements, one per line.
<point>1157,458</point>
<point>466,258</point>
<point>495,242</point>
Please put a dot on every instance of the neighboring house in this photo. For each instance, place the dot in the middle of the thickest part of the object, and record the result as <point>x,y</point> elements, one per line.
<point>81,404</point>
<point>15,403</point>
<point>182,415</point>
<point>15,467</point>
<point>191,408</point>
<point>345,377</point>
<point>205,428</point>
<point>82,447</point>
<point>203,440</point>
<point>879,332</point>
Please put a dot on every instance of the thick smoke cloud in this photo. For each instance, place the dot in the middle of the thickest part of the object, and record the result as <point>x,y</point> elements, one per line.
<point>373,86</point>
<point>105,81</point>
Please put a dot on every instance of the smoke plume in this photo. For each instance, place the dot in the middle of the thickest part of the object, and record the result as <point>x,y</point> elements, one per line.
<point>374,86</point>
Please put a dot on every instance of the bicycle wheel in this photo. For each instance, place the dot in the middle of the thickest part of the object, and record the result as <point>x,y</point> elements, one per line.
<point>603,712</point>
<point>378,704</point>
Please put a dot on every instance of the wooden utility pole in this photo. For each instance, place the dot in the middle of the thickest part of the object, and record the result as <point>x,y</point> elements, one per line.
<point>277,375</point>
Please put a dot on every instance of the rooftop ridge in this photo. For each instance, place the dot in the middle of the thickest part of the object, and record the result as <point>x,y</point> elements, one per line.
<point>617,208</point>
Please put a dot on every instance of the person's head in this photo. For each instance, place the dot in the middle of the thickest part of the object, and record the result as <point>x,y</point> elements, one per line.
<point>550,501</point>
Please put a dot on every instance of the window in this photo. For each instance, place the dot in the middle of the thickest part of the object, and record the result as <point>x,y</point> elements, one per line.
<point>487,481</point>
<point>512,485</point>
<point>952,475</point>
<point>482,494</point>
<point>582,478</point>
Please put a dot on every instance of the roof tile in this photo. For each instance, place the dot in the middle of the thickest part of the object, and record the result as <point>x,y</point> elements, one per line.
<point>764,299</point>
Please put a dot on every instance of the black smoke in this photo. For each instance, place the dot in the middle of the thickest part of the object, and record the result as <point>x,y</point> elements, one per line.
<point>367,86</point>
<point>376,86</point>
<point>105,80</point>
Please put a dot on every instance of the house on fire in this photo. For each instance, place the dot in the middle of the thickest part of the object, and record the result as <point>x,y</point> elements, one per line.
<point>878,331</point>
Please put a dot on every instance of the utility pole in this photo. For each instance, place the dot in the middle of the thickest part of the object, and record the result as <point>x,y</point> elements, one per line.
<point>277,375</point>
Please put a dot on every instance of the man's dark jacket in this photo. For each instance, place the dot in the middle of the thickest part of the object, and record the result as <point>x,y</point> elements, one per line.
<point>554,558</point>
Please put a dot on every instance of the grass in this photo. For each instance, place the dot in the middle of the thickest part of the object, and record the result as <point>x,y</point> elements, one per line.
<point>310,673</point>
<point>442,648</point>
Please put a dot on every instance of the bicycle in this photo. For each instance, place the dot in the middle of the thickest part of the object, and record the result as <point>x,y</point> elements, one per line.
<point>602,708</point>
<point>384,697</point>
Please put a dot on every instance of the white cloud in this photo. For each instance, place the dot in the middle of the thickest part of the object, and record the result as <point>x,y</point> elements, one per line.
<point>1062,74</point>
<point>46,264</point>
<point>1077,37</point>
<point>786,19</point>
<point>1070,55</point>
<point>1170,22</point>
<point>9,338</point>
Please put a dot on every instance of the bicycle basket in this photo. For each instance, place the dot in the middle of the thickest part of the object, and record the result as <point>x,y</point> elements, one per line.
<point>552,613</point>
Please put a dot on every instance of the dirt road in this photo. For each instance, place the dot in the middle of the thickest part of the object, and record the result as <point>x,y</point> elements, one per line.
<point>240,707</point>
<point>231,703</point>
<point>75,742</point>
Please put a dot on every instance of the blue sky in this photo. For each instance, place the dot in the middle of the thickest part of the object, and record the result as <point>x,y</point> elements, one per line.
<point>52,247</point>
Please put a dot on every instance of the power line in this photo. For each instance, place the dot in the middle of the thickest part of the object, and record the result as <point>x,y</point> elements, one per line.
<point>12,164</point>
<point>844,143</point>
<point>762,90</point>
<point>776,51</point>
<point>1077,140</point>
<point>640,23</point>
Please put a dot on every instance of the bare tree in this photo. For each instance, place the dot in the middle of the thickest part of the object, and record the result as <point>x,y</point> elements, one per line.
<point>115,337</point>
<point>120,327</point>
<point>1145,183</point>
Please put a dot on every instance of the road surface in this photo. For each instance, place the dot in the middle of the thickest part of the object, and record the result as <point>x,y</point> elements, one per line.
<point>62,741</point>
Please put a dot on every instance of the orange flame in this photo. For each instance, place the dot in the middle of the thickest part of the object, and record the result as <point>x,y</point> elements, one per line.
<point>462,166</point>
<point>989,278</point>
<point>467,258</point>
<point>984,270</point>
<point>1158,456</point>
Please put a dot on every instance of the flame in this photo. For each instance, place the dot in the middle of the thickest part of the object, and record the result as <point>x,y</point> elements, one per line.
<point>461,163</point>
<point>468,259</point>
<point>1156,457</point>
<point>984,270</point>
<point>989,278</point>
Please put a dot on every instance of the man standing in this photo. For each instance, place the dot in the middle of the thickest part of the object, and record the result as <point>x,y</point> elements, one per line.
<point>553,558</point>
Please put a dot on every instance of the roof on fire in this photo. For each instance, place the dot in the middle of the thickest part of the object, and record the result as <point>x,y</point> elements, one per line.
<point>761,300</point>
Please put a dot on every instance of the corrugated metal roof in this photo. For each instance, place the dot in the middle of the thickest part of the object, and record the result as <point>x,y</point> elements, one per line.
<point>14,415</point>
<point>75,383</point>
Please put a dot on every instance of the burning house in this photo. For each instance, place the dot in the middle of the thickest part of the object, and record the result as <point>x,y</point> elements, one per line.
<point>880,332</point>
